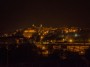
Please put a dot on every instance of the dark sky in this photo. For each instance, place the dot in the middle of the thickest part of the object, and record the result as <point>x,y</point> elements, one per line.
<point>22,14</point>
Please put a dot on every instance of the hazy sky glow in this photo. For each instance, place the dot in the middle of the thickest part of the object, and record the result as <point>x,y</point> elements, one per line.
<point>22,14</point>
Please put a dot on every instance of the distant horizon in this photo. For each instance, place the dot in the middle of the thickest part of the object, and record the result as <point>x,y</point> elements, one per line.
<point>38,25</point>
<point>22,14</point>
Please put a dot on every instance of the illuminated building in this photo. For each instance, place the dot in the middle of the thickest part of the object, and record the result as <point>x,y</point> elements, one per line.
<point>28,33</point>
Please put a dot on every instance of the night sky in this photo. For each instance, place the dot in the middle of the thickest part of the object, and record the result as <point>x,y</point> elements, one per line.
<point>22,14</point>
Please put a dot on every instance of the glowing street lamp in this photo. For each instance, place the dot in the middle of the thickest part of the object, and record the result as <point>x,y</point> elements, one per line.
<point>70,40</point>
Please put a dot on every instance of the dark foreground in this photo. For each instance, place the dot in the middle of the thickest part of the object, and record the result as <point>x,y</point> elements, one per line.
<point>24,56</point>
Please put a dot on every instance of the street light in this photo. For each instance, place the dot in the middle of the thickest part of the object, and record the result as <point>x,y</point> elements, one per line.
<point>70,40</point>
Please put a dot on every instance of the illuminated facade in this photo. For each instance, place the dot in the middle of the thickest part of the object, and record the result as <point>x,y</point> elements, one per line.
<point>28,33</point>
